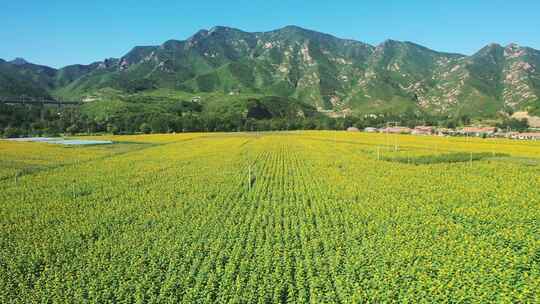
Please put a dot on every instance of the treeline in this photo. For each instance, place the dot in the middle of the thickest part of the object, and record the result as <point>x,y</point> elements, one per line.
<point>26,120</point>
<point>22,121</point>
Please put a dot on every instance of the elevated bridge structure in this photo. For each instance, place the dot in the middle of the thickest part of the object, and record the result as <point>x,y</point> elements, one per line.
<point>42,103</point>
<point>38,101</point>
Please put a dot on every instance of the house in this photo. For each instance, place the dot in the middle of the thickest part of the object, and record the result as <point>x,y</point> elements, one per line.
<point>396,130</point>
<point>502,134</point>
<point>478,131</point>
<point>370,130</point>
<point>352,129</point>
<point>445,132</point>
<point>527,136</point>
<point>423,130</point>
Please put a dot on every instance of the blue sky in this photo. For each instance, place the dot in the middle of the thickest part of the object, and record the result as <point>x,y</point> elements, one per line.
<point>61,32</point>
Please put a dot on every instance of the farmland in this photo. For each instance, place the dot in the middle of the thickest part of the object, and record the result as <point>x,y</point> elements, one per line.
<point>292,217</point>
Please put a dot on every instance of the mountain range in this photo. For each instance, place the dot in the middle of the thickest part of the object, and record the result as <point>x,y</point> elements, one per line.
<point>329,73</point>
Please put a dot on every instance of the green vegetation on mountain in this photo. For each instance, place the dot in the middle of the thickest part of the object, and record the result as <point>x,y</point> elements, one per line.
<point>162,111</point>
<point>329,73</point>
<point>23,79</point>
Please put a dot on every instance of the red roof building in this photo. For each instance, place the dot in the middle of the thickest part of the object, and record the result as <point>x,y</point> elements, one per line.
<point>423,130</point>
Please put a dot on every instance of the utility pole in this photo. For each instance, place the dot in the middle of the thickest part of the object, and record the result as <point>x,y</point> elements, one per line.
<point>388,124</point>
<point>249,177</point>
<point>387,133</point>
<point>73,189</point>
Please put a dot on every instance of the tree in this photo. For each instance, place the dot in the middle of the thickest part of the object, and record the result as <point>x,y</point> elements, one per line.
<point>450,124</point>
<point>138,85</point>
<point>112,128</point>
<point>145,128</point>
<point>12,132</point>
<point>52,129</point>
<point>257,110</point>
<point>514,124</point>
<point>73,129</point>
<point>159,125</point>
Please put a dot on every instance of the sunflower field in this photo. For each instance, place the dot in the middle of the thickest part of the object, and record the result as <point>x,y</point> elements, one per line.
<point>291,217</point>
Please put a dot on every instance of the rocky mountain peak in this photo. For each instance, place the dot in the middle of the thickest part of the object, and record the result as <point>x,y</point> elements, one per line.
<point>19,61</point>
<point>492,51</point>
<point>293,28</point>
<point>220,28</point>
<point>512,45</point>
<point>388,43</point>
<point>198,35</point>
<point>513,50</point>
<point>171,44</point>
<point>494,45</point>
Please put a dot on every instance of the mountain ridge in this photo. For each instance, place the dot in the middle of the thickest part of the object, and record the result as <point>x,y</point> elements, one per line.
<point>328,72</point>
